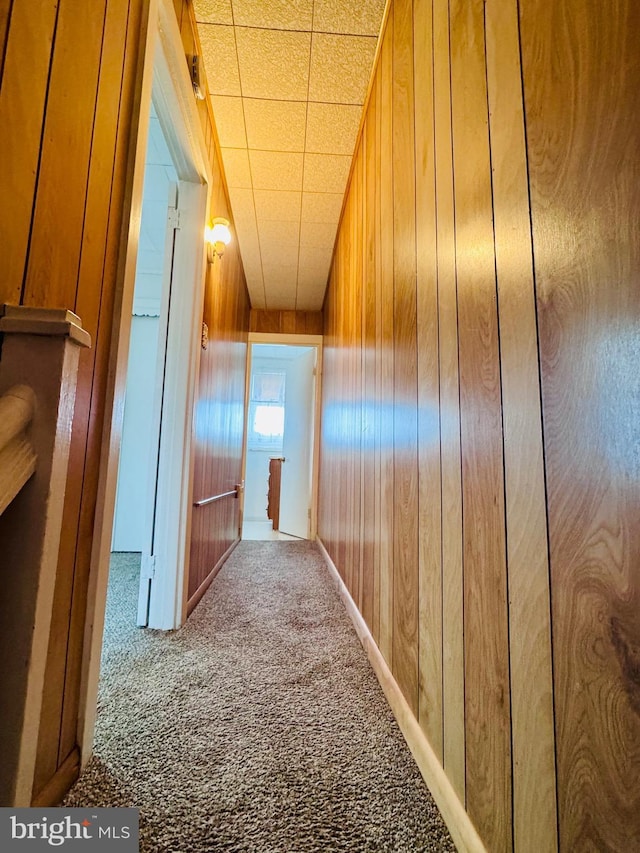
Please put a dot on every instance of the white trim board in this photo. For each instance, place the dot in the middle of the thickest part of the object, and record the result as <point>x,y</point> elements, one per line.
<point>463,832</point>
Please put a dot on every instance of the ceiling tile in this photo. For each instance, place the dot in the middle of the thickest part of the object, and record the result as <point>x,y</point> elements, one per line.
<point>312,302</point>
<point>256,294</point>
<point>279,302</point>
<point>315,259</point>
<point>275,125</point>
<point>252,268</point>
<point>332,128</point>
<point>274,255</point>
<point>311,279</point>
<point>340,68</point>
<point>236,167</point>
<point>280,278</point>
<point>250,248</point>
<point>229,120</point>
<point>321,207</point>
<point>256,297</point>
<point>310,297</point>
<point>279,233</point>
<point>280,14</point>
<point>243,208</point>
<point>277,205</point>
<point>336,16</point>
<point>318,235</point>
<point>276,170</point>
<point>247,234</point>
<point>273,63</point>
<point>326,173</point>
<point>220,59</point>
<point>213,11</point>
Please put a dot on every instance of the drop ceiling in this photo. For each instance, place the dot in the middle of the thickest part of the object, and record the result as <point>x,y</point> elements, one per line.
<point>288,79</point>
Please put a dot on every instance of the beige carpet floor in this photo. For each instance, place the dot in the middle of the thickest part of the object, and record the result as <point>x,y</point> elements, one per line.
<point>259,727</point>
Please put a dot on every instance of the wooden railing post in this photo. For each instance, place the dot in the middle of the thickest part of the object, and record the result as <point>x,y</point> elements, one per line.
<point>39,349</point>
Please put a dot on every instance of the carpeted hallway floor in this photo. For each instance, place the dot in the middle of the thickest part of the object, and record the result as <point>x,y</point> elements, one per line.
<point>259,727</point>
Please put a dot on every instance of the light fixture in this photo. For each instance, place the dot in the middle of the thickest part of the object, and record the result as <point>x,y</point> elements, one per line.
<point>217,237</point>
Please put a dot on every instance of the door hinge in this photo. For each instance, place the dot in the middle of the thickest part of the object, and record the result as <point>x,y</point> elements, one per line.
<point>148,566</point>
<point>174,218</point>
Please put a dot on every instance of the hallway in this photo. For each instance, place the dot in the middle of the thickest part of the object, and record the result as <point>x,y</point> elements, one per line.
<point>259,726</point>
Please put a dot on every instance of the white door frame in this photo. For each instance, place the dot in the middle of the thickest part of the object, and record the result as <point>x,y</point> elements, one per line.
<point>292,341</point>
<point>164,70</point>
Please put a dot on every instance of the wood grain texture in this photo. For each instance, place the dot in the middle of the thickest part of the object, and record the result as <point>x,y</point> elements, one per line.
<point>286,322</point>
<point>54,252</point>
<point>273,493</point>
<point>405,377</point>
<point>534,794</point>
<point>581,72</point>
<point>354,351</point>
<point>386,357</point>
<point>5,15</point>
<point>429,489</point>
<point>31,32</point>
<point>368,473</point>
<point>450,454</point>
<point>219,414</point>
<point>487,689</point>
<point>101,234</point>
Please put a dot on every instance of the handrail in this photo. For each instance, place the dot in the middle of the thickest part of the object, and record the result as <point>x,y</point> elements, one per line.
<point>17,456</point>
<point>215,498</point>
<point>17,406</point>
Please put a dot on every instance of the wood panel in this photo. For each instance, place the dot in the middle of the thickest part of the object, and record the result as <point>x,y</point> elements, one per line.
<point>487,708</point>
<point>102,217</point>
<point>405,377</point>
<point>369,482</point>
<point>219,418</point>
<point>534,796</point>
<point>506,262</point>
<point>54,252</point>
<point>286,322</point>
<point>450,455</point>
<point>386,356</point>
<point>31,32</point>
<point>584,166</point>
<point>429,494</point>
<point>5,15</point>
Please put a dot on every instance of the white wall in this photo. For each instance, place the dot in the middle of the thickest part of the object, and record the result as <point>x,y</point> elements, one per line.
<point>278,357</point>
<point>257,484</point>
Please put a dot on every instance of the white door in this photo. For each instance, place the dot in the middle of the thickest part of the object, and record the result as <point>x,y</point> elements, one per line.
<point>295,493</point>
<point>147,567</point>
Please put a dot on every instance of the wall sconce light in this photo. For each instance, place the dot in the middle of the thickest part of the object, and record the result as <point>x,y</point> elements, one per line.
<point>217,236</point>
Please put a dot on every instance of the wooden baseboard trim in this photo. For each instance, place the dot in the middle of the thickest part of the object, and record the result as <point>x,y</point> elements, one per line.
<point>206,583</point>
<point>56,788</point>
<point>463,832</point>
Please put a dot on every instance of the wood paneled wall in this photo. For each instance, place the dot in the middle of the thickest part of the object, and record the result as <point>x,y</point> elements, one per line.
<point>66,129</point>
<point>583,133</point>
<point>286,322</point>
<point>219,415</point>
<point>479,476</point>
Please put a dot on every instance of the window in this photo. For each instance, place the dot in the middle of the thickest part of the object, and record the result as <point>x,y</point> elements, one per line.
<point>266,410</point>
